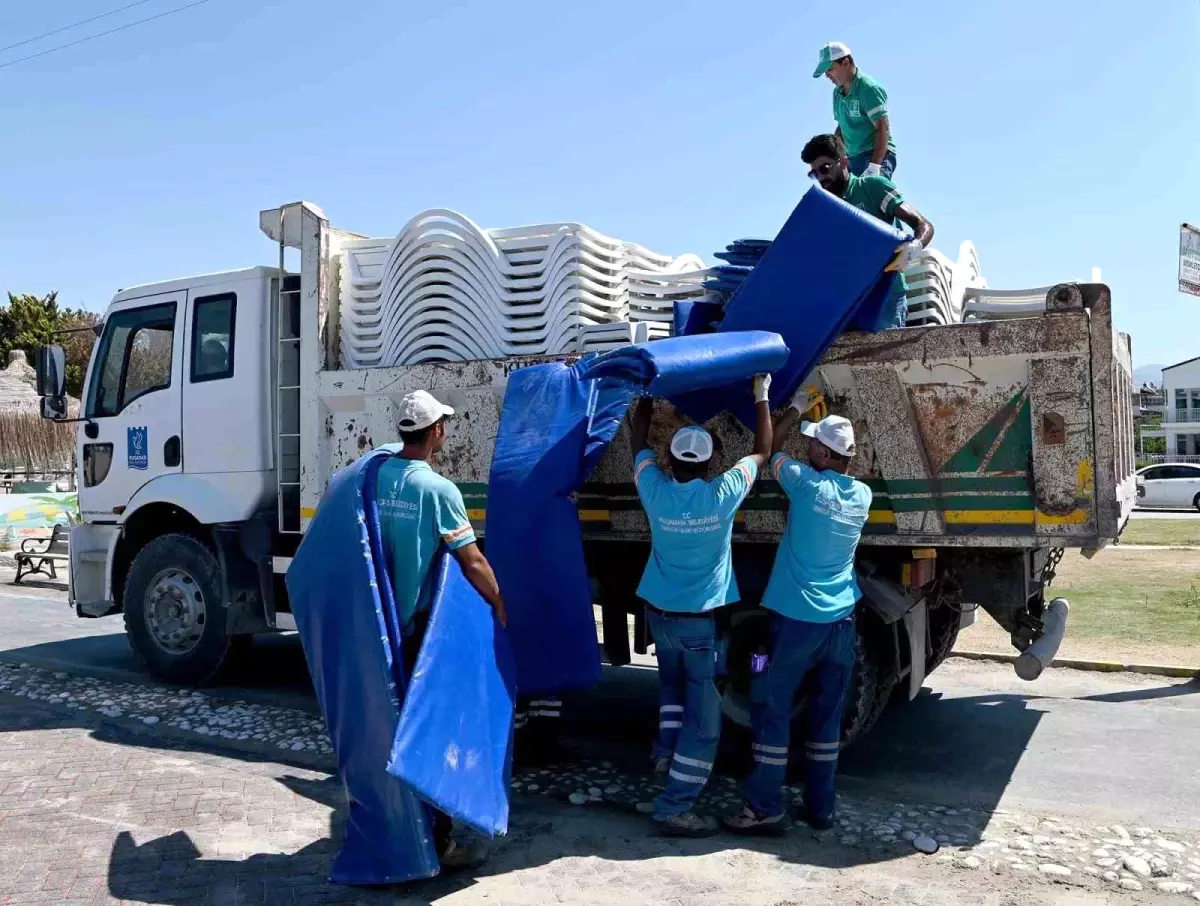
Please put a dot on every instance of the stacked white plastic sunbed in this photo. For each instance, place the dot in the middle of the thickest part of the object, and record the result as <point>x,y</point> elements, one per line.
<point>446,290</point>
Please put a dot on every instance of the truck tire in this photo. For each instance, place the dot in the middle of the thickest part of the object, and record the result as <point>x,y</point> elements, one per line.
<point>867,698</point>
<point>174,612</point>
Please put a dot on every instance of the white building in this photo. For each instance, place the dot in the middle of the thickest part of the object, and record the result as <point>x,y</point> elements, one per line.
<point>1180,412</point>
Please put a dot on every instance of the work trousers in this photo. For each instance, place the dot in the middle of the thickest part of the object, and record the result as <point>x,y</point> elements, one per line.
<point>859,162</point>
<point>824,652</point>
<point>689,707</point>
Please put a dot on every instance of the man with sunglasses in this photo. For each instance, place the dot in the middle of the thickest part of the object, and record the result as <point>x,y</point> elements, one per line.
<point>877,196</point>
<point>860,108</point>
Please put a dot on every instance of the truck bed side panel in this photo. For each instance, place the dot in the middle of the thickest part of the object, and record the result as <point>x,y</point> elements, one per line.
<point>983,434</point>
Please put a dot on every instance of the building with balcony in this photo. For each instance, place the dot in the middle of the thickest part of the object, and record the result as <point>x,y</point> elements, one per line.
<point>1179,405</point>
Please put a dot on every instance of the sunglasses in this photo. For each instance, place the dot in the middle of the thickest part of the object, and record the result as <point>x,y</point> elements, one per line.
<point>821,170</point>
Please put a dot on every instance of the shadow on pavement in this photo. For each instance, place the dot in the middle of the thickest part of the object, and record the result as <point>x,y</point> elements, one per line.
<point>1141,695</point>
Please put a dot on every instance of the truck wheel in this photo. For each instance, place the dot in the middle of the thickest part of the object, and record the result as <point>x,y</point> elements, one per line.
<point>174,615</point>
<point>1196,501</point>
<point>869,693</point>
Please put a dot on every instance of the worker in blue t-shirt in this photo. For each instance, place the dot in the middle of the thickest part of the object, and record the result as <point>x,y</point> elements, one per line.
<point>812,594</point>
<point>688,575</point>
<point>419,512</point>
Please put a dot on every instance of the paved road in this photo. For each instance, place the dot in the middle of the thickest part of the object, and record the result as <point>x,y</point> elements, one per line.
<point>93,812</point>
<point>1166,514</point>
<point>975,736</point>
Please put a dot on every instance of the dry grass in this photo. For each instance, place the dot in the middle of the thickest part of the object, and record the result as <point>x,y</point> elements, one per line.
<point>1127,605</point>
<point>30,442</point>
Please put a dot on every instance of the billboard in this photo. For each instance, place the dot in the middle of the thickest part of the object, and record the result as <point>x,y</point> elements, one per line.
<point>1189,259</point>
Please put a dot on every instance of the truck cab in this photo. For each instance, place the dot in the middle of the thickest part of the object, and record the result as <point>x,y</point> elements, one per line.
<point>176,454</point>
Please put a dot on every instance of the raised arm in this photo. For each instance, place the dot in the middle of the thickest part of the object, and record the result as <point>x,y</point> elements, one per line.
<point>784,426</point>
<point>763,430</point>
<point>639,429</point>
<point>921,227</point>
<point>479,573</point>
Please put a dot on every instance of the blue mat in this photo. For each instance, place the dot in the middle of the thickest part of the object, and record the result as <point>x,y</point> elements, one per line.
<point>691,317</point>
<point>346,619</point>
<point>555,424</point>
<point>458,757</point>
<point>824,266</point>
<point>553,429</point>
<point>666,368</point>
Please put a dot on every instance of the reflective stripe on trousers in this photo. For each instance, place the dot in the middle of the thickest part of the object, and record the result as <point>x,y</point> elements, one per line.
<point>546,707</point>
<point>689,712</point>
<point>824,651</point>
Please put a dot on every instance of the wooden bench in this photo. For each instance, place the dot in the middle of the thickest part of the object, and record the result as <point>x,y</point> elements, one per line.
<point>30,560</point>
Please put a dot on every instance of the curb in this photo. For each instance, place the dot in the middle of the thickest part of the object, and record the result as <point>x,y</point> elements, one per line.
<point>1096,666</point>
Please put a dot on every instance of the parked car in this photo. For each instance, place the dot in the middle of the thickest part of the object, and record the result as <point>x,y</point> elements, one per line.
<point>1173,485</point>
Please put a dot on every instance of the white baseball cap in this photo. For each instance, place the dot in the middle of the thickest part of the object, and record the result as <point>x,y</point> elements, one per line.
<point>833,431</point>
<point>692,444</point>
<point>830,54</point>
<point>419,410</point>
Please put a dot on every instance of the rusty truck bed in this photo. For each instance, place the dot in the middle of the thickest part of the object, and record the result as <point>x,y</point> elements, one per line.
<point>1012,433</point>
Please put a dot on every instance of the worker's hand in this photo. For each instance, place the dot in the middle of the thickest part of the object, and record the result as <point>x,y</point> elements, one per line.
<point>906,256</point>
<point>501,613</point>
<point>810,403</point>
<point>873,170</point>
<point>762,388</point>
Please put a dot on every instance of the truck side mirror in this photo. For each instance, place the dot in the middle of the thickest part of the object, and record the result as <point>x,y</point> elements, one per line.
<point>54,407</point>
<point>51,381</point>
<point>51,371</point>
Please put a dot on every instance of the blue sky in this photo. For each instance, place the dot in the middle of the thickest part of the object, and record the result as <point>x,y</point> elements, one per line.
<point>1057,136</point>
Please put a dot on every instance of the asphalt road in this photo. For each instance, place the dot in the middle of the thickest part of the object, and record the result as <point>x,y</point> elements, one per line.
<point>1165,514</point>
<point>1108,747</point>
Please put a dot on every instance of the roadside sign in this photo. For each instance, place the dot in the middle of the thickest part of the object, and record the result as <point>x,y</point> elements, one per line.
<point>1189,259</point>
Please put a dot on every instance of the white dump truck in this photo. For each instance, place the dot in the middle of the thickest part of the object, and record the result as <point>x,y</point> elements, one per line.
<point>215,411</point>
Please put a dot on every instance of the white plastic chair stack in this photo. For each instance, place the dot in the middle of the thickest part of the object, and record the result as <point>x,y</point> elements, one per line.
<point>999,304</point>
<point>930,295</point>
<point>446,290</point>
<point>653,294</point>
<point>938,287</point>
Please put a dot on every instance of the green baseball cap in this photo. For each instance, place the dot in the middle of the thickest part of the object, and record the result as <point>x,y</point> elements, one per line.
<point>830,54</point>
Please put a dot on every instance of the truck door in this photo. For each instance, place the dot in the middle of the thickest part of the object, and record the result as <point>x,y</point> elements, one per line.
<point>132,404</point>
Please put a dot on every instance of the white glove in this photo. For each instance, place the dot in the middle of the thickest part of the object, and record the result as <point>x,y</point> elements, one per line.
<point>801,400</point>
<point>762,387</point>
<point>913,250</point>
<point>873,170</point>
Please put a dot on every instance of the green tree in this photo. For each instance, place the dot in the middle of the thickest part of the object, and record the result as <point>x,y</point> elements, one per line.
<point>27,322</point>
<point>77,345</point>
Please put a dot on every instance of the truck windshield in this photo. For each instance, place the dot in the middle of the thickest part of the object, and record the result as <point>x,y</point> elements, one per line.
<point>134,358</point>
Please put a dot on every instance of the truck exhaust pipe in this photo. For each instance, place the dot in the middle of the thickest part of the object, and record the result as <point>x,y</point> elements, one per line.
<point>1038,656</point>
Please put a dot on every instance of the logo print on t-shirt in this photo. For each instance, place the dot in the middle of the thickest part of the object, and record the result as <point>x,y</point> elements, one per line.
<point>852,108</point>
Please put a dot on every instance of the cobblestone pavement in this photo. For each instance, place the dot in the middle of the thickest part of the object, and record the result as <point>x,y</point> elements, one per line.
<point>98,810</point>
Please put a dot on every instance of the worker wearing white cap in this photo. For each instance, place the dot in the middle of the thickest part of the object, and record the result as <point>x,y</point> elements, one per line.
<point>688,576</point>
<point>812,595</point>
<point>860,106</point>
<point>420,512</point>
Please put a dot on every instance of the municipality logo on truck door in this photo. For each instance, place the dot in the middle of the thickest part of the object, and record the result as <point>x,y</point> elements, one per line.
<point>137,455</point>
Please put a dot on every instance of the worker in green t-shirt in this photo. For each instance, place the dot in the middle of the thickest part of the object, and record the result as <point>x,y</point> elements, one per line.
<point>879,197</point>
<point>860,108</point>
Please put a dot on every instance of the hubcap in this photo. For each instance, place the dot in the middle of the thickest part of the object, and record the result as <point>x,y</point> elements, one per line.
<point>175,611</point>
